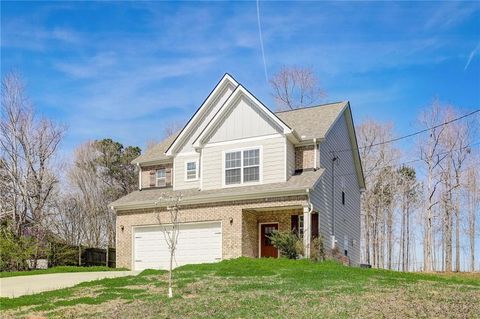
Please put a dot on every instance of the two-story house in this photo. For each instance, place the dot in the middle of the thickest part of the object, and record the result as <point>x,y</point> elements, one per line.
<point>243,172</point>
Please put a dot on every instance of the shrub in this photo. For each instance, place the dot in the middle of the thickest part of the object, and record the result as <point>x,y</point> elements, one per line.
<point>61,254</point>
<point>288,243</point>
<point>15,250</point>
<point>318,249</point>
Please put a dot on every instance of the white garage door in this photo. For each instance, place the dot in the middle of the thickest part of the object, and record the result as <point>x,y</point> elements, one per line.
<point>197,243</point>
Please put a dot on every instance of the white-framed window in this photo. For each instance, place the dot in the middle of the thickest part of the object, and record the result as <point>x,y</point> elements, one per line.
<point>242,166</point>
<point>161,177</point>
<point>191,170</point>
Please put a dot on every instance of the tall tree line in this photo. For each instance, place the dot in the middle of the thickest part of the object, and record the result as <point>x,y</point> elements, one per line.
<point>34,204</point>
<point>422,212</point>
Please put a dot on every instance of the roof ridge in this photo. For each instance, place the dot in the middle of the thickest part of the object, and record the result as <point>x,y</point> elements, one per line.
<point>310,107</point>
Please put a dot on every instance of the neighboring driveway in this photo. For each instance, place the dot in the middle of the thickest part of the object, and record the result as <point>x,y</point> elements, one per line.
<point>27,285</point>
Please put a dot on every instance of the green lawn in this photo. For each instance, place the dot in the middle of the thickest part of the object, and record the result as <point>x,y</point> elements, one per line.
<point>258,288</point>
<point>58,269</point>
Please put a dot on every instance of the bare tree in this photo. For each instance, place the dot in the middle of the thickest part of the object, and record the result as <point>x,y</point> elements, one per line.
<point>170,226</point>
<point>408,192</point>
<point>378,160</point>
<point>90,189</point>
<point>430,149</point>
<point>28,146</point>
<point>473,200</point>
<point>68,221</point>
<point>295,87</point>
<point>170,129</point>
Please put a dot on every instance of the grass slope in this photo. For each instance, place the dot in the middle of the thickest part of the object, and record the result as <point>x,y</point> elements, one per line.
<point>59,269</point>
<point>246,288</point>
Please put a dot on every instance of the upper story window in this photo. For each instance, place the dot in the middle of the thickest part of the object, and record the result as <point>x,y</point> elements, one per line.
<point>191,170</point>
<point>242,166</point>
<point>161,177</point>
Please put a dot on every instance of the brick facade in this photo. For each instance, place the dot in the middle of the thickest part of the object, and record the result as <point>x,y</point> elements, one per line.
<point>149,177</point>
<point>252,220</point>
<point>304,157</point>
<point>239,223</point>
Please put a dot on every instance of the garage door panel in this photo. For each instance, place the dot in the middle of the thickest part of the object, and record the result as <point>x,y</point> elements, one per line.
<point>197,243</point>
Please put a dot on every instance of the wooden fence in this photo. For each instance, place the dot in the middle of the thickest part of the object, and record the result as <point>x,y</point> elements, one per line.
<point>98,257</point>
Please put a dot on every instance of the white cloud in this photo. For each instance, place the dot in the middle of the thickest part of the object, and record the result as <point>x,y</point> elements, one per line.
<point>472,54</point>
<point>450,13</point>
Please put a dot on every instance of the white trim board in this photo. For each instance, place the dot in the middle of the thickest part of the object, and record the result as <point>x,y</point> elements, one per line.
<point>227,78</point>
<point>239,92</point>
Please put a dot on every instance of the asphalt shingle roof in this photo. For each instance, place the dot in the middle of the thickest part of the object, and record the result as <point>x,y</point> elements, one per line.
<point>304,180</point>
<point>312,122</point>
<point>157,152</point>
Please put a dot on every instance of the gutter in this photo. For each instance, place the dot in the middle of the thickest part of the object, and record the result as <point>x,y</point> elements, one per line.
<point>215,198</point>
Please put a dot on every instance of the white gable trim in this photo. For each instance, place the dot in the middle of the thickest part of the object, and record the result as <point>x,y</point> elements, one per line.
<point>226,79</point>
<point>239,92</point>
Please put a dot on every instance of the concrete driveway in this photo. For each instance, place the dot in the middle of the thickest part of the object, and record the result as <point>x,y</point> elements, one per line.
<point>27,285</point>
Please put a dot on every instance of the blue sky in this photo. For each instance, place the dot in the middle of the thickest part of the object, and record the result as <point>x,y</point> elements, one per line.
<point>122,70</point>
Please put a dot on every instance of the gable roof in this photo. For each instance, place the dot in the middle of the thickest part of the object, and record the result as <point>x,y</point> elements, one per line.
<point>237,94</point>
<point>156,153</point>
<point>224,81</point>
<point>146,198</point>
<point>315,121</point>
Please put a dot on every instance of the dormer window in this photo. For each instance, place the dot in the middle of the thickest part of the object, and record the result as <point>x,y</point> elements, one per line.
<point>191,171</point>
<point>161,177</point>
<point>242,167</point>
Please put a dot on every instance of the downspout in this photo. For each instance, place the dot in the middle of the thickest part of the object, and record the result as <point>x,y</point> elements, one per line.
<point>307,221</point>
<point>315,159</point>
<point>139,177</point>
<point>333,203</point>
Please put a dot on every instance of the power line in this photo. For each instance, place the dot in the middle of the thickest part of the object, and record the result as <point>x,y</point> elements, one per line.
<point>261,41</point>
<point>413,160</point>
<point>411,134</point>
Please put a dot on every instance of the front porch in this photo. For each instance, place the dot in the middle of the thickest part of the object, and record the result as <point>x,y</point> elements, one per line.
<point>257,223</point>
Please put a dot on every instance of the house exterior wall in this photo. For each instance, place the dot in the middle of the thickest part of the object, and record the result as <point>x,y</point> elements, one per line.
<point>250,227</point>
<point>179,181</point>
<point>290,148</point>
<point>232,233</point>
<point>304,157</point>
<point>347,217</point>
<point>147,171</point>
<point>242,122</point>
<point>205,118</point>
<point>272,161</point>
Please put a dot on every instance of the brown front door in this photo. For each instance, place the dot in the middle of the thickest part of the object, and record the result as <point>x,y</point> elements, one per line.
<point>266,247</point>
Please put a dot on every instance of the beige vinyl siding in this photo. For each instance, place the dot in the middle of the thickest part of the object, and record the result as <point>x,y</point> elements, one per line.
<point>179,181</point>
<point>205,119</point>
<point>243,121</point>
<point>272,164</point>
<point>347,217</point>
<point>290,159</point>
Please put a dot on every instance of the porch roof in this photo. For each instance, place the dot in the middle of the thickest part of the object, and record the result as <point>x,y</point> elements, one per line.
<point>147,198</point>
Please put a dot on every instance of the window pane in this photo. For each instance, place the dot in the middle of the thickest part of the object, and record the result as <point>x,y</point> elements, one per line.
<point>191,165</point>
<point>191,174</point>
<point>232,176</point>
<point>251,174</point>
<point>161,173</point>
<point>233,160</point>
<point>251,157</point>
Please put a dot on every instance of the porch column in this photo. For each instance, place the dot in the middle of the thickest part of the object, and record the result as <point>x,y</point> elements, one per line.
<point>307,231</point>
